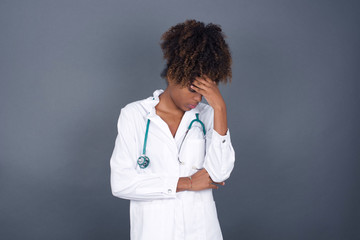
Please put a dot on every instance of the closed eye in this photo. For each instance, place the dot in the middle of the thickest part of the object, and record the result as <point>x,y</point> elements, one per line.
<point>191,90</point>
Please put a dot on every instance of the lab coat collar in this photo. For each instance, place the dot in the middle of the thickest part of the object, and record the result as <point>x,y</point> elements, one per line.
<point>152,101</point>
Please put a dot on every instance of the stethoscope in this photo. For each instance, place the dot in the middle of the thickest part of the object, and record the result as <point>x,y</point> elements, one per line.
<point>144,161</point>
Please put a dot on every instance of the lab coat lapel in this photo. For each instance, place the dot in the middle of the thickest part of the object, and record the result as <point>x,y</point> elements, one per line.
<point>149,105</point>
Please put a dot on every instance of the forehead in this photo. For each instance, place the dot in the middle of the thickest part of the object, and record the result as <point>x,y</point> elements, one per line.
<point>180,89</point>
<point>175,84</point>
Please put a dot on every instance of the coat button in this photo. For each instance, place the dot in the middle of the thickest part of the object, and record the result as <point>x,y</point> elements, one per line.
<point>223,141</point>
<point>169,191</point>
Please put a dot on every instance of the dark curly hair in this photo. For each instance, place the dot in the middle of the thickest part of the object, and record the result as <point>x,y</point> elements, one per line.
<point>192,49</point>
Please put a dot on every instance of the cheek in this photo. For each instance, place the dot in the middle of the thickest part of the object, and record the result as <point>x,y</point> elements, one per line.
<point>187,99</point>
<point>182,102</point>
<point>181,98</point>
<point>178,100</point>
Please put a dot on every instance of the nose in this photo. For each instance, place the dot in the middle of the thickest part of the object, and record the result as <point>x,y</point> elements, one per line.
<point>198,97</point>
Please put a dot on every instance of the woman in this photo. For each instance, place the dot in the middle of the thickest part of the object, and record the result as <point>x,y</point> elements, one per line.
<point>172,150</point>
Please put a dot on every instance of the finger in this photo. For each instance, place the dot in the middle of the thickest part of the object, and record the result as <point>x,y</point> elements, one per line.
<point>197,89</point>
<point>213,186</point>
<point>216,183</point>
<point>198,84</point>
<point>207,80</point>
<point>202,82</point>
<point>206,77</point>
<point>220,183</point>
<point>202,89</point>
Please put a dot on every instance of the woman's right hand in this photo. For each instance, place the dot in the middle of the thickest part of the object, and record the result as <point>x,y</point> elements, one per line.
<point>201,180</point>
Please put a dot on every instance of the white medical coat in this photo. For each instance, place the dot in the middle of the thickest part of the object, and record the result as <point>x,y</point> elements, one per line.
<point>157,211</point>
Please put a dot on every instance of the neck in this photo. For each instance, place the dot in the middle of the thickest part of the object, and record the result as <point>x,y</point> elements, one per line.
<point>167,105</point>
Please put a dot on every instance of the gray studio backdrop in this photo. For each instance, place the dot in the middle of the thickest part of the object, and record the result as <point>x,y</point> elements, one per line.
<point>68,67</point>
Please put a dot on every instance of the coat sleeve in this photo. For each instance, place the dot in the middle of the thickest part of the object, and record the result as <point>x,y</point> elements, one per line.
<point>128,183</point>
<point>220,154</point>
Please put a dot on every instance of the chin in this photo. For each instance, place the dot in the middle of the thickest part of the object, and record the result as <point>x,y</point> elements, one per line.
<point>183,108</point>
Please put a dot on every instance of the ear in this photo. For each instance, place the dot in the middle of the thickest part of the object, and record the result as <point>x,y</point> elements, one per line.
<point>170,82</point>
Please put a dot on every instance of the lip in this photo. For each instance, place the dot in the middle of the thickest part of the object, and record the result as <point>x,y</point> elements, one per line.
<point>192,106</point>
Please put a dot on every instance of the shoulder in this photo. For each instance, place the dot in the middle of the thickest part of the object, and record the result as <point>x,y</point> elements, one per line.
<point>133,112</point>
<point>133,108</point>
<point>142,108</point>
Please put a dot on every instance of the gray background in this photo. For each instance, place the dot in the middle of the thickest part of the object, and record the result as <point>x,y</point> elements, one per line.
<point>68,67</point>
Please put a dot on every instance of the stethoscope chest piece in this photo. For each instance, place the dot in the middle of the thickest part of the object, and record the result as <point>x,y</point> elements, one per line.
<point>143,161</point>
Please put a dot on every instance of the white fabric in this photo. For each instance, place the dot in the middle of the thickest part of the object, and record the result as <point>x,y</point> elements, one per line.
<point>157,211</point>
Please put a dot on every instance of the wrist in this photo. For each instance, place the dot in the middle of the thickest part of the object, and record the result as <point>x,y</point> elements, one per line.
<point>184,183</point>
<point>190,183</point>
<point>219,108</point>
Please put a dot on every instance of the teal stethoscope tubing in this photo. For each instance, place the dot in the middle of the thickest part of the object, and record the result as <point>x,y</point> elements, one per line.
<point>143,161</point>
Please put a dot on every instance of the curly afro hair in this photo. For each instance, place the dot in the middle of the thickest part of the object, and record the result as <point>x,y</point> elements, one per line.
<point>192,49</point>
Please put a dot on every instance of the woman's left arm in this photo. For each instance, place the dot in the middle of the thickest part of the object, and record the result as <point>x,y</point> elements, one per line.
<point>220,157</point>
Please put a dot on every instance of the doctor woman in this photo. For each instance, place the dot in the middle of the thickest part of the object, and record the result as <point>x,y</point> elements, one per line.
<point>172,150</point>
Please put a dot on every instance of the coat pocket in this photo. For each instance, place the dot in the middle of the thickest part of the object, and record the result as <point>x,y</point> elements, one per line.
<point>195,153</point>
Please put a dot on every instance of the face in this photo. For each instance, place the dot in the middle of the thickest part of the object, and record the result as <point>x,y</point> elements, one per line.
<point>184,97</point>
